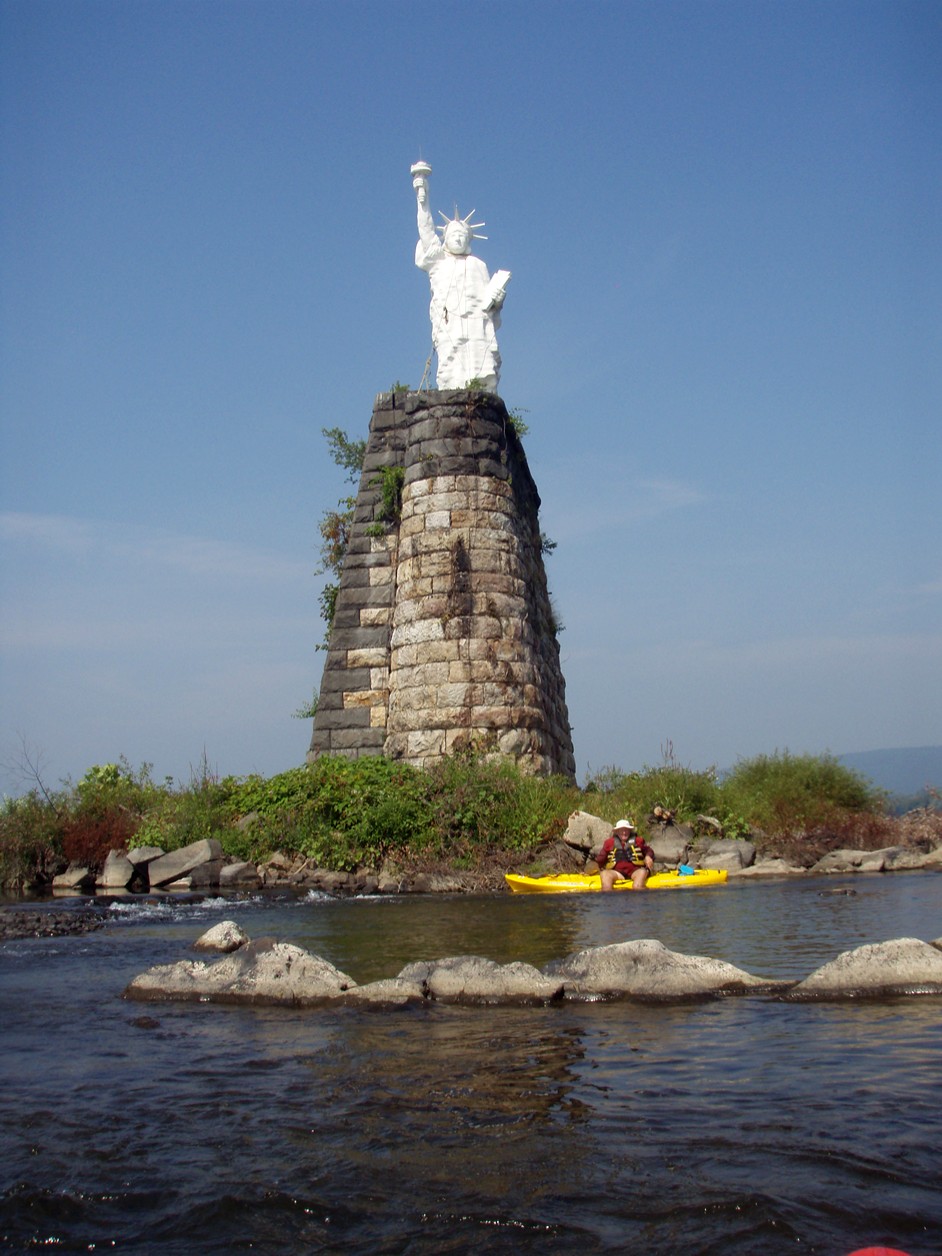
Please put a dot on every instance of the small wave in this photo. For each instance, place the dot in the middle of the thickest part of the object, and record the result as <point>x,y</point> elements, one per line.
<point>130,910</point>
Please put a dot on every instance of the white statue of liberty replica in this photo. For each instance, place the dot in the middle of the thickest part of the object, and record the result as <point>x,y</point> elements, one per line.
<point>466,300</point>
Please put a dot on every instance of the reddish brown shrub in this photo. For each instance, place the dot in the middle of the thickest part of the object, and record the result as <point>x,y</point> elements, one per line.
<point>855,830</point>
<point>87,839</point>
<point>921,830</point>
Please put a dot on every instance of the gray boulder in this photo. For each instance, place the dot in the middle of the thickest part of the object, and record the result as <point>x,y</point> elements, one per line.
<point>647,969</point>
<point>471,979</point>
<point>144,855</point>
<point>902,859</point>
<point>118,872</point>
<point>586,832</point>
<point>768,868</point>
<point>840,861</point>
<point>205,876</point>
<point>901,966</point>
<point>730,853</point>
<point>671,845</point>
<point>333,882</point>
<point>238,874</point>
<point>392,992</point>
<point>226,936</point>
<point>180,863</point>
<point>391,883</point>
<point>264,971</point>
<point>75,878</point>
<point>454,884</point>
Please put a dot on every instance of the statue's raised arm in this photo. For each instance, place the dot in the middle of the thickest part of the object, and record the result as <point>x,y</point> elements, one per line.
<point>466,300</point>
<point>426,224</point>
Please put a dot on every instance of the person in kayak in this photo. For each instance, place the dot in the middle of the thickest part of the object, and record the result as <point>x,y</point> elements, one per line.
<point>625,856</point>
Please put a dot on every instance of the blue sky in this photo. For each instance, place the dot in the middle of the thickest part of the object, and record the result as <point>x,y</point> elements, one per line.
<point>723,329</point>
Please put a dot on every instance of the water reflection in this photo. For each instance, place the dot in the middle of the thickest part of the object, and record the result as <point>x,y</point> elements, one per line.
<point>372,939</point>
<point>747,1125</point>
<point>777,929</point>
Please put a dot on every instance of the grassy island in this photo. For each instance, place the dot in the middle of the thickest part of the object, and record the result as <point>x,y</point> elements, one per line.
<point>467,813</point>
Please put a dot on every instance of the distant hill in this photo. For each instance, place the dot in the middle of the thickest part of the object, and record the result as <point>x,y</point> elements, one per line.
<point>903,772</point>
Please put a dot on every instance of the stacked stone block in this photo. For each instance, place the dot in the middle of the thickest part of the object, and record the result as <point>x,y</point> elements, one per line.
<point>443,635</point>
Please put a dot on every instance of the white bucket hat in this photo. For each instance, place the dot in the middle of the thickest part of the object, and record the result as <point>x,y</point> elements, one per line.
<point>626,824</point>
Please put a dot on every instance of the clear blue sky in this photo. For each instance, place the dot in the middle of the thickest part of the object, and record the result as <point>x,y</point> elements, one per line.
<point>724,328</point>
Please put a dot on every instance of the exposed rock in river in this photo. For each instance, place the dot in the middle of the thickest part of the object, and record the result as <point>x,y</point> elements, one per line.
<point>226,936</point>
<point>117,873</point>
<point>264,971</point>
<point>471,979</point>
<point>18,922</point>
<point>267,971</point>
<point>901,966</point>
<point>647,969</point>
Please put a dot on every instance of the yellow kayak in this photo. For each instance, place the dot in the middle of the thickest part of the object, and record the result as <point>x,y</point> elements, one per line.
<point>580,883</point>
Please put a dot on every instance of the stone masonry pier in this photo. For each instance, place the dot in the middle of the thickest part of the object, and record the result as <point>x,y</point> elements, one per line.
<point>443,635</point>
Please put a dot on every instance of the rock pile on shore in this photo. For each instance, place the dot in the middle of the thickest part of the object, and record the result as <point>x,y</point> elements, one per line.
<point>198,866</point>
<point>203,866</point>
<point>704,844</point>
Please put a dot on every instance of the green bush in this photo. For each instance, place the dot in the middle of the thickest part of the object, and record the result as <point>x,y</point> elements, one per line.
<point>110,787</point>
<point>341,812</point>
<point>30,842</point>
<point>786,793</point>
<point>481,804</point>
<point>634,795</point>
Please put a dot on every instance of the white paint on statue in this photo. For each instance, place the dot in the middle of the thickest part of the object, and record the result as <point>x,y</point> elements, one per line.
<point>466,300</point>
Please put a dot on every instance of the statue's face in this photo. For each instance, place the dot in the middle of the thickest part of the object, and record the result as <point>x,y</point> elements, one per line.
<point>457,238</point>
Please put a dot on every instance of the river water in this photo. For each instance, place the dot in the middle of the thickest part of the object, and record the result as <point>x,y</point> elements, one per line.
<point>743,1125</point>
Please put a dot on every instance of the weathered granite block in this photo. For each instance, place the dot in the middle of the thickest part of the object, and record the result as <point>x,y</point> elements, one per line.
<point>340,718</point>
<point>365,698</point>
<point>362,739</point>
<point>180,863</point>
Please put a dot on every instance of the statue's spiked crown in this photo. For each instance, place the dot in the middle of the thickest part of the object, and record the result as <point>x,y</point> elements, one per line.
<point>465,222</point>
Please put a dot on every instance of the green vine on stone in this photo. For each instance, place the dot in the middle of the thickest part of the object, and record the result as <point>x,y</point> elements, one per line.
<point>516,420</point>
<point>335,525</point>
<point>389,481</point>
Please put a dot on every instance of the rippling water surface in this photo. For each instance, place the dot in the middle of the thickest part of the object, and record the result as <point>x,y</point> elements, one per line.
<point>738,1126</point>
